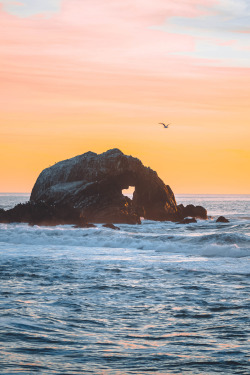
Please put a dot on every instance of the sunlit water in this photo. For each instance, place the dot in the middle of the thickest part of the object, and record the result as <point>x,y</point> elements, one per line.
<point>156,298</point>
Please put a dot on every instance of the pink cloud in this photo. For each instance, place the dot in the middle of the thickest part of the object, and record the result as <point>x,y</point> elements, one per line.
<point>102,26</point>
<point>111,35</point>
<point>94,50</point>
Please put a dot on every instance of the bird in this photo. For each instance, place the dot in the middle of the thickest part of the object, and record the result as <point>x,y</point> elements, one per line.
<point>165,126</point>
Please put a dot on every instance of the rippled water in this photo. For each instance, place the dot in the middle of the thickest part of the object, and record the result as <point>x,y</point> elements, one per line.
<point>156,298</point>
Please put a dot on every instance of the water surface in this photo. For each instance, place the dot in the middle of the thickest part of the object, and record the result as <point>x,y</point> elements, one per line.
<point>156,298</point>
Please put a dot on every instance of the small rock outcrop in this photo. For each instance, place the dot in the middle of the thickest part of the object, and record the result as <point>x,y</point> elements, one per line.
<point>192,211</point>
<point>85,225</point>
<point>42,213</point>
<point>188,220</point>
<point>222,219</point>
<point>88,188</point>
<point>111,226</point>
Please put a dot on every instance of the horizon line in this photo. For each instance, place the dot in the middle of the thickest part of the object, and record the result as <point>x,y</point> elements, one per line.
<point>20,192</point>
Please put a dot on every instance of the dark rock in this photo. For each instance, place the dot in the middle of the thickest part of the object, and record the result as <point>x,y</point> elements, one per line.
<point>88,188</point>
<point>111,226</point>
<point>41,213</point>
<point>193,211</point>
<point>222,219</point>
<point>3,217</point>
<point>85,225</point>
<point>93,184</point>
<point>187,220</point>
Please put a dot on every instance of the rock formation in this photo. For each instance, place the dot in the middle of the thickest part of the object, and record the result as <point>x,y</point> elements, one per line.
<point>222,219</point>
<point>111,226</point>
<point>88,188</point>
<point>188,220</point>
<point>193,211</point>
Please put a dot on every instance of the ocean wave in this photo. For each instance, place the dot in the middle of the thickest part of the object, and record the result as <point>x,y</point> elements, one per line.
<point>172,238</point>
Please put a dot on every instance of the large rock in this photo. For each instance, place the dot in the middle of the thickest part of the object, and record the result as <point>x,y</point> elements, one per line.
<point>93,184</point>
<point>88,188</point>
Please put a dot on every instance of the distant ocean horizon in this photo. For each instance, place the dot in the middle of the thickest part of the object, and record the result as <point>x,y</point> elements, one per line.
<point>154,298</point>
<point>27,193</point>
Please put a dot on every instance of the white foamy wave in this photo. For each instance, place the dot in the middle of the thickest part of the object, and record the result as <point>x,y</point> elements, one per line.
<point>162,237</point>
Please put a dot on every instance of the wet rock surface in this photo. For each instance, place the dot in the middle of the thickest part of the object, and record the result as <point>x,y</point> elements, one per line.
<point>88,189</point>
<point>192,211</point>
<point>222,219</point>
<point>85,225</point>
<point>111,226</point>
<point>188,220</point>
<point>42,213</point>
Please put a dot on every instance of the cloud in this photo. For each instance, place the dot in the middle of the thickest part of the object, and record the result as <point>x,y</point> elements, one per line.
<point>220,34</point>
<point>27,8</point>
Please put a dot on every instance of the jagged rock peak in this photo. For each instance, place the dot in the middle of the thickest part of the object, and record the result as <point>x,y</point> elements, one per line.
<point>113,151</point>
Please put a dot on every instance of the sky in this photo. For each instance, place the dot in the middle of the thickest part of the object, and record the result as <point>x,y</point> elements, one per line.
<point>91,75</point>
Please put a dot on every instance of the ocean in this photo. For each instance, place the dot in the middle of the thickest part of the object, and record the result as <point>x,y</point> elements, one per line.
<point>156,298</point>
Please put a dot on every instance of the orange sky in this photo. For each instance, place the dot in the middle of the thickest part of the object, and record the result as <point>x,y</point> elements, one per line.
<point>93,75</point>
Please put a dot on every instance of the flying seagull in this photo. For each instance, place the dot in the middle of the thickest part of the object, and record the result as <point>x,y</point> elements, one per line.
<point>165,126</point>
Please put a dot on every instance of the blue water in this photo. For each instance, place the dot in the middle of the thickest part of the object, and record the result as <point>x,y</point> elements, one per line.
<point>156,298</point>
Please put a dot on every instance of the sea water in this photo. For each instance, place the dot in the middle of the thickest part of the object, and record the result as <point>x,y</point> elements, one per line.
<point>155,298</point>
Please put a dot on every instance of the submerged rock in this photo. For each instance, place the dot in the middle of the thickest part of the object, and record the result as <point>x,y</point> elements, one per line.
<point>111,226</point>
<point>222,219</point>
<point>85,225</point>
<point>88,188</point>
<point>188,220</point>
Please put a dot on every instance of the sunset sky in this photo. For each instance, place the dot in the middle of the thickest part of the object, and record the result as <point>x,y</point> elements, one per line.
<point>81,75</point>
